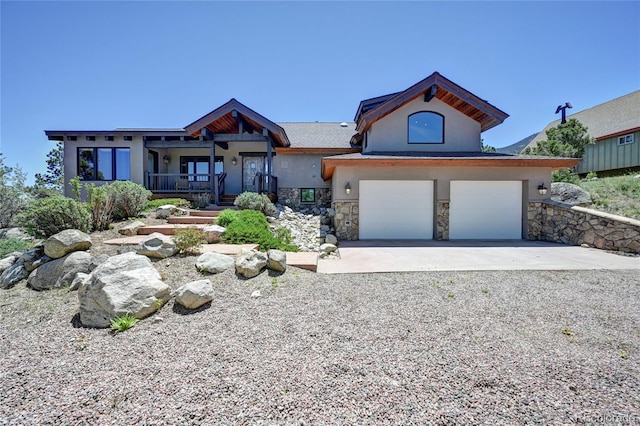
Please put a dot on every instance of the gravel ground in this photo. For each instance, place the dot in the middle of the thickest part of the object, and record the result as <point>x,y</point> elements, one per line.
<point>408,348</point>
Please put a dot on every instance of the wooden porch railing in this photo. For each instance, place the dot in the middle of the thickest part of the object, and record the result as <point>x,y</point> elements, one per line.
<point>178,182</point>
<point>266,184</point>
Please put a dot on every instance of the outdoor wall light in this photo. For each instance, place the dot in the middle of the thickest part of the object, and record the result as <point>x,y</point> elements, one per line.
<point>542,189</point>
<point>347,188</point>
<point>166,159</point>
<point>234,161</point>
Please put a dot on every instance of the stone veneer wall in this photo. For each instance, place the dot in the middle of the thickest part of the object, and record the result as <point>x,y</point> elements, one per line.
<point>563,223</point>
<point>346,219</point>
<point>442,220</point>
<point>291,197</point>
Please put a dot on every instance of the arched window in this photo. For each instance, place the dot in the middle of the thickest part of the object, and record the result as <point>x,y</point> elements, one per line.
<point>426,127</point>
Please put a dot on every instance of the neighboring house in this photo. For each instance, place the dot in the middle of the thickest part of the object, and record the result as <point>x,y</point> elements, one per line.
<point>410,167</point>
<point>615,126</point>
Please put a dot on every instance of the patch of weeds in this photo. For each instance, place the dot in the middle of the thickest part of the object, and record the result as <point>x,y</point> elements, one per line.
<point>158,304</point>
<point>451,294</point>
<point>9,245</point>
<point>567,332</point>
<point>82,342</point>
<point>189,240</point>
<point>451,282</point>
<point>624,355</point>
<point>124,322</point>
<point>436,284</point>
<point>274,283</point>
<point>485,290</point>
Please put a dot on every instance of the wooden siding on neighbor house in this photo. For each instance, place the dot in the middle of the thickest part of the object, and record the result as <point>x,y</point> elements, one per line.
<point>607,155</point>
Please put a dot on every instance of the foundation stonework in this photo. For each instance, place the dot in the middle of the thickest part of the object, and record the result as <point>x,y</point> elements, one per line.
<point>442,220</point>
<point>290,197</point>
<point>346,219</point>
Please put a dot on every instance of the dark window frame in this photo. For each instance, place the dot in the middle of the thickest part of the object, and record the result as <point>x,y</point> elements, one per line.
<point>302,200</point>
<point>186,159</point>
<point>114,163</point>
<point>426,143</point>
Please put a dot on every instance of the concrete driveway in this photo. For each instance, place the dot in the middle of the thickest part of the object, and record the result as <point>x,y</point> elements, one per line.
<point>413,256</point>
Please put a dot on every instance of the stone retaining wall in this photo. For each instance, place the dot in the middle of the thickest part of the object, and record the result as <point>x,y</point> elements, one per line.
<point>291,197</point>
<point>346,219</point>
<point>563,223</point>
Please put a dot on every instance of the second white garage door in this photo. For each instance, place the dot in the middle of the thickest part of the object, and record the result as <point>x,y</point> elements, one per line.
<point>486,210</point>
<point>396,209</point>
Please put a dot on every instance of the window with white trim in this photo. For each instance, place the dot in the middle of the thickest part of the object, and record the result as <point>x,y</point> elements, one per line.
<point>626,139</point>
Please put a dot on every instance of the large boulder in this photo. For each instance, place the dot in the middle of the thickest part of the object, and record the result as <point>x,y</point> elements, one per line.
<point>214,263</point>
<point>213,233</point>
<point>33,257</point>
<point>195,294</point>
<point>14,233</point>
<point>126,283</point>
<point>59,272</point>
<point>131,229</point>
<point>249,263</point>
<point>277,260</point>
<point>13,275</point>
<point>569,193</point>
<point>163,212</point>
<point>8,261</point>
<point>65,242</point>
<point>157,245</point>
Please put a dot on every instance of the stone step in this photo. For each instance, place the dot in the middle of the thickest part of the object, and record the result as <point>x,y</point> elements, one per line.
<point>204,213</point>
<point>187,220</point>
<point>167,229</point>
<point>304,260</point>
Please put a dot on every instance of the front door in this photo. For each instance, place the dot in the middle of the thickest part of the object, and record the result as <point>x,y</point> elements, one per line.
<point>251,165</point>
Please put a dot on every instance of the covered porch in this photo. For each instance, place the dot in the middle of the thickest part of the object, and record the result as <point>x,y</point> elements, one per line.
<point>226,152</point>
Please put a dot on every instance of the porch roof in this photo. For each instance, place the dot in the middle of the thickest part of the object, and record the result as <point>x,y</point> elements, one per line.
<point>443,159</point>
<point>233,116</point>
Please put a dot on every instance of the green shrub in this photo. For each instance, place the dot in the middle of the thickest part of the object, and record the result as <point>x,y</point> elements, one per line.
<point>48,216</point>
<point>130,199</point>
<point>123,322</point>
<point>565,175</point>
<point>255,201</point>
<point>189,240</point>
<point>102,202</point>
<point>251,227</point>
<point>9,245</point>
<point>178,202</point>
<point>201,199</point>
<point>226,217</point>
<point>283,234</point>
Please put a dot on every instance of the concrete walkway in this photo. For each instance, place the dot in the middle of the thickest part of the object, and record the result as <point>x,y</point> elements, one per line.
<point>413,256</point>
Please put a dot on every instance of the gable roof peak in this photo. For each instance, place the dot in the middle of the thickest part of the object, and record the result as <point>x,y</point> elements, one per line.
<point>444,90</point>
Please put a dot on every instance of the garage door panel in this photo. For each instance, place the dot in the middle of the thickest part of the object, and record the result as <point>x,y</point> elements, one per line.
<point>396,209</point>
<point>485,210</point>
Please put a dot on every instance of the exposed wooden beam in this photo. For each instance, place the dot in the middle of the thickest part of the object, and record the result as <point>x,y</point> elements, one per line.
<point>265,132</point>
<point>317,151</point>
<point>232,137</point>
<point>178,144</point>
<point>431,93</point>
<point>207,134</point>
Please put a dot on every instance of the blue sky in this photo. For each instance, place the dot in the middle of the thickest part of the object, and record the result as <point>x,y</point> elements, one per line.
<point>102,65</point>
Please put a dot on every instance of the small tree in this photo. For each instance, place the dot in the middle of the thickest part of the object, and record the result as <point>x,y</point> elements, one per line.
<point>565,140</point>
<point>54,177</point>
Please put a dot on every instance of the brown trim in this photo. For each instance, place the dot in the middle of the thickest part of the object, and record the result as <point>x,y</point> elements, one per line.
<point>494,116</point>
<point>317,151</point>
<point>329,164</point>
<point>614,135</point>
<point>278,132</point>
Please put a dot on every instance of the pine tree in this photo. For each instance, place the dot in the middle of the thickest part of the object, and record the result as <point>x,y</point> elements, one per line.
<point>54,177</point>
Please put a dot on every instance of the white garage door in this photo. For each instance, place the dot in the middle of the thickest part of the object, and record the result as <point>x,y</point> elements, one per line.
<point>485,210</point>
<point>396,209</point>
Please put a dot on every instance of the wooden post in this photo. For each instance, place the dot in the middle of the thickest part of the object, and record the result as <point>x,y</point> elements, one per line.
<point>269,164</point>
<point>213,183</point>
